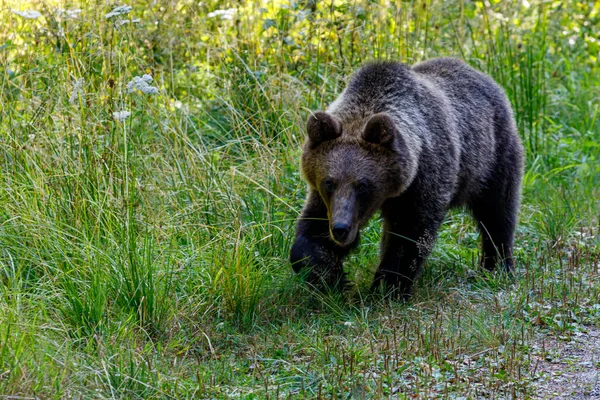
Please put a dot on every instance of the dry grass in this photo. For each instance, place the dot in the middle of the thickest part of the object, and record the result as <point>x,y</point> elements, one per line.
<point>147,257</point>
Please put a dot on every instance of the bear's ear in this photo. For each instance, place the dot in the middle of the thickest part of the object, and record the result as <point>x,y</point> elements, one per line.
<point>322,127</point>
<point>380,129</point>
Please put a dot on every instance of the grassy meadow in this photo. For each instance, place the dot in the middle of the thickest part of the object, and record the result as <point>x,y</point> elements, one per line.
<point>149,187</point>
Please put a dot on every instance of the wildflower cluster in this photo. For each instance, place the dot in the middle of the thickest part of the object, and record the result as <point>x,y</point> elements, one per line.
<point>121,115</point>
<point>141,83</point>
<point>121,10</point>
<point>224,14</point>
<point>29,14</point>
<point>77,90</point>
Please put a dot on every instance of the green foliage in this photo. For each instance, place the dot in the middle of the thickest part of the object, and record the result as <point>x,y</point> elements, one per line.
<point>144,234</point>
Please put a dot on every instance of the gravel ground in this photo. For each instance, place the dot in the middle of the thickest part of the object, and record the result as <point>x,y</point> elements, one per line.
<point>568,369</point>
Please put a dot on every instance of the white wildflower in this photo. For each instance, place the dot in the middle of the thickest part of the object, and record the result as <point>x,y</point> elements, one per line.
<point>121,115</point>
<point>67,14</point>
<point>77,90</point>
<point>526,4</point>
<point>29,14</point>
<point>348,324</point>
<point>141,83</point>
<point>498,16</point>
<point>121,10</point>
<point>122,22</point>
<point>224,14</point>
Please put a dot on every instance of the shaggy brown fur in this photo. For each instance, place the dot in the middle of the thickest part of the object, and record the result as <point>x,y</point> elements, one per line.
<point>412,143</point>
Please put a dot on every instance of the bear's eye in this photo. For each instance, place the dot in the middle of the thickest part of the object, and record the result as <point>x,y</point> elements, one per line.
<point>328,185</point>
<point>363,186</point>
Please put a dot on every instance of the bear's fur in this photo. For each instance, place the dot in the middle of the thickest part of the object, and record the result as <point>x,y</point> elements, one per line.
<point>411,142</point>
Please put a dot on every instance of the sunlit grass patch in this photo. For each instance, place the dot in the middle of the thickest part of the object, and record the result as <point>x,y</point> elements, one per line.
<point>149,186</point>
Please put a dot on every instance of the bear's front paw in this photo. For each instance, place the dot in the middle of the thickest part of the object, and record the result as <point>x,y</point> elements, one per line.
<point>305,254</point>
<point>317,261</point>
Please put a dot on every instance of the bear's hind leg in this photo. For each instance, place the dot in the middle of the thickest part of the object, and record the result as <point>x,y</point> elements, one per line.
<point>496,213</point>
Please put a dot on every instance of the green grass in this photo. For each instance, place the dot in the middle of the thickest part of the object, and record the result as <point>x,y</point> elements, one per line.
<point>147,258</point>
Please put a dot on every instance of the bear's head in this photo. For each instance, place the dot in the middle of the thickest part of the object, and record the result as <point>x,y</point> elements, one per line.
<point>355,168</point>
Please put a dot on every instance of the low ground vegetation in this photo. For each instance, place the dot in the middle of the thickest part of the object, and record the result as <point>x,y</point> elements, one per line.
<point>149,186</point>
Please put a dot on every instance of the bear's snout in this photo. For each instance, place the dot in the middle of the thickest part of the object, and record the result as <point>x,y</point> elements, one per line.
<point>340,231</point>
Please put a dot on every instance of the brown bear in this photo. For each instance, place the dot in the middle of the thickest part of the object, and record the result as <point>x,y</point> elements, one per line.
<point>411,142</point>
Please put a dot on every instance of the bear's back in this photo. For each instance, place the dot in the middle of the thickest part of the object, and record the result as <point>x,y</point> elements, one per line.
<point>462,82</point>
<point>456,117</point>
<point>484,120</point>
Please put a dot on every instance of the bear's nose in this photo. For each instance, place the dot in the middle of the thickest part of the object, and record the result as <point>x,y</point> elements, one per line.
<point>340,231</point>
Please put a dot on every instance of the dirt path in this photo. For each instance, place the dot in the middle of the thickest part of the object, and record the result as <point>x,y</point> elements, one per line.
<point>568,369</point>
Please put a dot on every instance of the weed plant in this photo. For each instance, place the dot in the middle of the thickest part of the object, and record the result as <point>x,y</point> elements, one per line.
<point>145,221</point>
